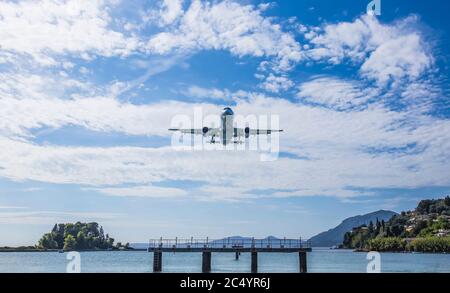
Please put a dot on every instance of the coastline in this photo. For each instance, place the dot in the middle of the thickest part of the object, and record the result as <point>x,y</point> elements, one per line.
<point>18,249</point>
<point>396,251</point>
<point>388,251</point>
<point>14,249</point>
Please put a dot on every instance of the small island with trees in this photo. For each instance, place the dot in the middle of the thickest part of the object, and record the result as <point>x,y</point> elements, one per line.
<point>425,229</point>
<point>74,236</point>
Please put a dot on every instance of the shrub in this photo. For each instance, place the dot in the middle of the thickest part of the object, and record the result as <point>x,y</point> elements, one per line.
<point>430,244</point>
<point>387,244</point>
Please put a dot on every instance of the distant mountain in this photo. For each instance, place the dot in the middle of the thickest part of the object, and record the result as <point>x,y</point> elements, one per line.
<point>247,241</point>
<point>139,245</point>
<point>335,236</point>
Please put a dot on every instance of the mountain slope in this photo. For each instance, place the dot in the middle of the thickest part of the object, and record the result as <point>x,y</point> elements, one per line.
<point>335,236</point>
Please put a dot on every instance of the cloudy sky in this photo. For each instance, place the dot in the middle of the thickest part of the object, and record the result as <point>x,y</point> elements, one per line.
<point>89,88</point>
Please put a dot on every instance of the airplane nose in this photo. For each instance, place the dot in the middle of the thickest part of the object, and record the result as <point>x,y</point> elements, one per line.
<point>227,111</point>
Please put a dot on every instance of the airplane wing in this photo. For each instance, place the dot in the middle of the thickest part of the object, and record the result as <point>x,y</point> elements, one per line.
<point>264,131</point>
<point>202,131</point>
<point>187,130</point>
<point>247,131</point>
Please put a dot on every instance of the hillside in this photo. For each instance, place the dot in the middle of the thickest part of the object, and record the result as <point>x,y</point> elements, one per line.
<point>426,228</point>
<point>335,236</point>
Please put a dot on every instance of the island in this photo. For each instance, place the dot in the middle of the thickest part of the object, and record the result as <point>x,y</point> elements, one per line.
<point>74,236</point>
<point>424,229</point>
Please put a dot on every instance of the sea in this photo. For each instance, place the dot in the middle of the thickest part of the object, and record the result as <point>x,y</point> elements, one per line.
<point>319,260</point>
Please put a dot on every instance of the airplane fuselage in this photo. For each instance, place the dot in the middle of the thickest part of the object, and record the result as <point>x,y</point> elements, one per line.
<point>227,118</point>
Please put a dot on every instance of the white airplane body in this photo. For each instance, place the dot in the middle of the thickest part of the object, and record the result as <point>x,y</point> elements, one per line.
<point>226,132</point>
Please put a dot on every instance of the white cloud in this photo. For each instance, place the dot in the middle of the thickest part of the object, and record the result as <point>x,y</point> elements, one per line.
<point>143,191</point>
<point>387,52</point>
<point>68,65</point>
<point>225,193</point>
<point>352,40</point>
<point>421,96</point>
<point>171,10</point>
<point>229,26</point>
<point>34,101</point>
<point>83,70</point>
<point>275,84</point>
<point>341,193</point>
<point>402,57</point>
<point>51,217</point>
<point>210,93</point>
<point>335,93</point>
<point>44,28</point>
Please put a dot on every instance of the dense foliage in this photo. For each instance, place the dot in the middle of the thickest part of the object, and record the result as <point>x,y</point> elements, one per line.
<point>387,244</point>
<point>77,236</point>
<point>430,244</point>
<point>421,244</point>
<point>425,229</point>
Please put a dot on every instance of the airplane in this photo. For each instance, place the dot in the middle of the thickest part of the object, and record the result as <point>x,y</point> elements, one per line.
<point>226,132</point>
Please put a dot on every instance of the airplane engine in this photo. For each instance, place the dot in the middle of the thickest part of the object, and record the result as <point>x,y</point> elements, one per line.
<point>247,132</point>
<point>205,130</point>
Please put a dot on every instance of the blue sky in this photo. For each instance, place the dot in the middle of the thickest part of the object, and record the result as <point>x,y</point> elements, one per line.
<point>89,88</point>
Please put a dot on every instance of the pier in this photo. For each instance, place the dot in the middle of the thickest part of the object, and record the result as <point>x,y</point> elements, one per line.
<point>230,245</point>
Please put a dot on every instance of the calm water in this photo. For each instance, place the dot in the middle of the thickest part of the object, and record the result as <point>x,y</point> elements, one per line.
<point>319,260</point>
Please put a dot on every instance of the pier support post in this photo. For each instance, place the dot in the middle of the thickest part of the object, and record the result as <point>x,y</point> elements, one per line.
<point>157,261</point>
<point>254,263</point>
<point>302,261</point>
<point>206,261</point>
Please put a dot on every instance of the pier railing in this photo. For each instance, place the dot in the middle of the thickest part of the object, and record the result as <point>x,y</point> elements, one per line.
<point>232,244</point>
<point>229,243</point>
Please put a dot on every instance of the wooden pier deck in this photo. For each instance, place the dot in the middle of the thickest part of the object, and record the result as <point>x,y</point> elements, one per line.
<point>230,245</point>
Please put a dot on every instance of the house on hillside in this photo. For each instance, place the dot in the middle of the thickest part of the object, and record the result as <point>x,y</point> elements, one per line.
<point>443,232</point>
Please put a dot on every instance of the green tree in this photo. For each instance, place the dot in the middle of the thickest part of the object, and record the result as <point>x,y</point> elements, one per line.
<point>102,233</point>
<point>69,229</point>
<point>109,242</point>
<point>371,226</point>
<point>388,231</point>
<point>447,201</point>
<point>420,225</point>
<point>424,206</point>
<point>47,242</point>
<point>81,240</point>
<point>93,229</point>
<point>70,243</point>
